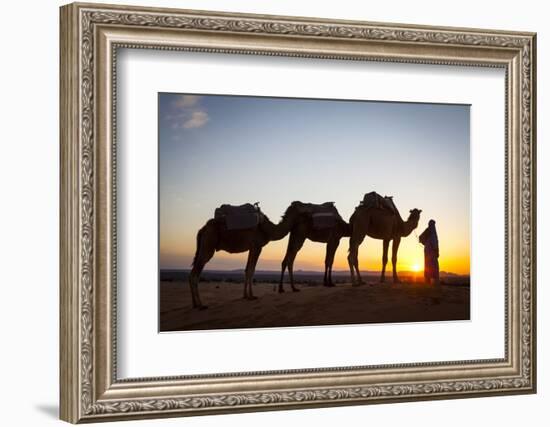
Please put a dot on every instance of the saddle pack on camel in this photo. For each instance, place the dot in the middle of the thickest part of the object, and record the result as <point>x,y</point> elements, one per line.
<point>239,217</point>
<point>375,200</point>
<point>323,216</point>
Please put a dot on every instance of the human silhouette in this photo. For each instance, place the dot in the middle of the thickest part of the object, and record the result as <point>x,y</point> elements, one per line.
<point>429,239</point>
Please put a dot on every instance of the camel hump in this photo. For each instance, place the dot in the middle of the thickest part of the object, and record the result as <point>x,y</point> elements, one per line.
<point>313,208</point>
<point>375,200</point>
<point>239,217</point>
<point>323,215</point>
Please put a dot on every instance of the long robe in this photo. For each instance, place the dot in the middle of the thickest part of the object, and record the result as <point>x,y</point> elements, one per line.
<point>431,253</point>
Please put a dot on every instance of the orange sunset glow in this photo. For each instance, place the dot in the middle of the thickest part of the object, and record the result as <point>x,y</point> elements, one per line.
<point>311,257</point>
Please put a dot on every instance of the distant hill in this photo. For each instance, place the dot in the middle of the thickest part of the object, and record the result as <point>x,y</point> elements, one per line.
<point>305,272</point>
<point>308,277</point>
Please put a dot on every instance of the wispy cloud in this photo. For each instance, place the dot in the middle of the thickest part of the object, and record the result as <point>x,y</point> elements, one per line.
<point>187,113</point>
<point>197,120</point>
<point>186,101</point>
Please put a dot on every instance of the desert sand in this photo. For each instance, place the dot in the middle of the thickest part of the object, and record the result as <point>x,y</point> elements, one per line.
<point>313,305</point>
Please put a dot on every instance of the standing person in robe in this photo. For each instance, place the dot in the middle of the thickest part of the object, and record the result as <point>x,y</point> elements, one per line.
<point>431,253</point>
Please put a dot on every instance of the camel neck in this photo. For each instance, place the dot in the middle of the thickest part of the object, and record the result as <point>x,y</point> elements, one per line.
<point>408,226</point>
<point>277,231</point>
<point>346,229</point>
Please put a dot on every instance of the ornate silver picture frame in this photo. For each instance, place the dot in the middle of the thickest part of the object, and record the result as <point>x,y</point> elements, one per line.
<point>91,35</point>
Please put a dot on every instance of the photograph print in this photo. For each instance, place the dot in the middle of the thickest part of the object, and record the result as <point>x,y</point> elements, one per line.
<point>291,212</point>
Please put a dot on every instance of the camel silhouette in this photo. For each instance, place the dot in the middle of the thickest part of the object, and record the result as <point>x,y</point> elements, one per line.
<point>383,224</point>
<point>304,228</point>
<point>215,236</point>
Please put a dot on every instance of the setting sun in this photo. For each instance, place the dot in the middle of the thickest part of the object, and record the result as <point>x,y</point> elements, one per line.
<point>416,267</point>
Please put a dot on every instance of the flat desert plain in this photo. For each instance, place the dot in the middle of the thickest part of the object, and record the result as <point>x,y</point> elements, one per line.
<point>314,305</point>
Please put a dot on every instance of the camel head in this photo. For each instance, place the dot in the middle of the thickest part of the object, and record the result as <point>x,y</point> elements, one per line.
<point>411,223</point>
<point>278,231</point>
<point>414,216</point>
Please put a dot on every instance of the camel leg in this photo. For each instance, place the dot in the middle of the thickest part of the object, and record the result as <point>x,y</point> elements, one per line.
<point>294,245</point>
<point>297,245</point>
<point>351,254</point>
<point>246,274</point>
<point>253,256</point>
<point>291,274</point>
<point>385,247</point>
<point>253,269</point>
<point>394,249</point>
<point>205,252</point>
<point>353,259</point>
<point>284,264</point>
<point>332,245</point>
<point>194,284</point>
<point>356,265</point>
<point>359,278</point>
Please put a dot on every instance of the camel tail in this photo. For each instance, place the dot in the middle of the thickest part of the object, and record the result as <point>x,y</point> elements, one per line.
<point>199,238</point>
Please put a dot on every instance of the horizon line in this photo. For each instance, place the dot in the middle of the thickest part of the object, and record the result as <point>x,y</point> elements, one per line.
<point>239,270</point>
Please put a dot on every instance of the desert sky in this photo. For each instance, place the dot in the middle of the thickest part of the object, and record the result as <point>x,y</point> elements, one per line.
<point>234,149</point>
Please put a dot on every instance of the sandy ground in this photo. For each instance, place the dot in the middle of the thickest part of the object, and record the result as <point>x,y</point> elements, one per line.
<point>313,305</point>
